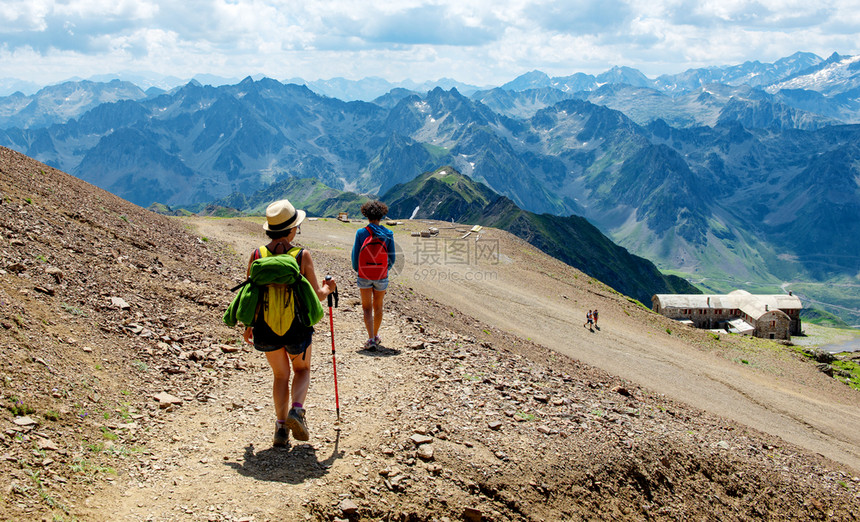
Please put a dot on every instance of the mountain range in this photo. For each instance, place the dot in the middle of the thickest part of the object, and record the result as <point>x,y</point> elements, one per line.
<point>153,84</point>
<point>803,81</point>
<point>722,182</point>
<point>60,103</point>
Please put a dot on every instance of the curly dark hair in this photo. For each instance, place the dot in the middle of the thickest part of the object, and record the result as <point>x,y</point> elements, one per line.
<point>374,210</point>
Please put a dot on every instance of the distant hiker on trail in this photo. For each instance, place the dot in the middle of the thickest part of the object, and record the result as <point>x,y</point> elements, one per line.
<point>277,330</point>
<point>594,316</point>
<point>372,256</point>
<point>589,321</point>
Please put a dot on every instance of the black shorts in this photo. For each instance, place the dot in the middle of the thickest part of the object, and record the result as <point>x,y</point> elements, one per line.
<point>295,341</point>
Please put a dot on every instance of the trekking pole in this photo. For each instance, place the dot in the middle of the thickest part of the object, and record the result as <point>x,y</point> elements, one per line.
<point>333,362</point>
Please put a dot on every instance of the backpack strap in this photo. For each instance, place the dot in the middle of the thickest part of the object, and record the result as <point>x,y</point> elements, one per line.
<point>240,285</point>
<point>255,256</point>
<point>262,252</point>
<point>297,252</point>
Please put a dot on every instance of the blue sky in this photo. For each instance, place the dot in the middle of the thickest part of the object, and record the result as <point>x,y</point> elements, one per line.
<point>480,42</point>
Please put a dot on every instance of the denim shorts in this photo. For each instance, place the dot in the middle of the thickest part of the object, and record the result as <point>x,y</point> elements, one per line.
<point>379,285</point>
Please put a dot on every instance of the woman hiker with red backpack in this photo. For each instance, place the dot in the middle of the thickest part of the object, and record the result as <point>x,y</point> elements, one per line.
<point>286,342</point>
<point>372,256</point>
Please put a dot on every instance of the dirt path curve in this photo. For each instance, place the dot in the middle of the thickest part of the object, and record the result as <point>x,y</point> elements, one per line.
<point>522,292</point>
<point>780,396</point>
<point>227,442</point>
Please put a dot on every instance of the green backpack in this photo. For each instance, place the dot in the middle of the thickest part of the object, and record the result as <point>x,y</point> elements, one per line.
<point>277,270</point>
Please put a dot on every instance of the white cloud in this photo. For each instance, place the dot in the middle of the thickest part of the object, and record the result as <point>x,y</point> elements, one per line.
<point>132,9</point>
<point>18,16</point>
<point>476,41</point>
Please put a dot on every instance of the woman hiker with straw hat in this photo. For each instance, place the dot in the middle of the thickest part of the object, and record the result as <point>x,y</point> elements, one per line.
<point>287,345</point>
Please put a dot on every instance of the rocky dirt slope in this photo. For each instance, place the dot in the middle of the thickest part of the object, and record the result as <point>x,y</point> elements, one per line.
<point>126,399</point>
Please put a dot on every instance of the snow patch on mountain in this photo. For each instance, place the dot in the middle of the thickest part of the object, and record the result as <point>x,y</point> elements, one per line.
<point>831,79</point>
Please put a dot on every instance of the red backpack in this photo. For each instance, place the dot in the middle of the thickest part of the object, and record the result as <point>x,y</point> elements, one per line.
<point>373,258</point>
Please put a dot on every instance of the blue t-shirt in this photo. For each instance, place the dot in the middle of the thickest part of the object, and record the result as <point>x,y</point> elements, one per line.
<point>385,234</point>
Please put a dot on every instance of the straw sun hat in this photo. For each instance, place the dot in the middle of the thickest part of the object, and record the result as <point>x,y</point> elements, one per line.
<point>282,215</point>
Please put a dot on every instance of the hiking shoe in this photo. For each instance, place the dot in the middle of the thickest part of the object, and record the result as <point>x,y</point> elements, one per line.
<point>296,424</point>
<point>281,437</point>
<point>377,341</point>
<point>370,345</point>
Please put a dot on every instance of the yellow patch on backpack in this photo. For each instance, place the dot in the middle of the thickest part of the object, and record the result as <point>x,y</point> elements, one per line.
<point>278,304</point>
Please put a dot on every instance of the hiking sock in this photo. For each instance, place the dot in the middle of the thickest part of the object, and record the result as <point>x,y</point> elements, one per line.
<point>297,405</point>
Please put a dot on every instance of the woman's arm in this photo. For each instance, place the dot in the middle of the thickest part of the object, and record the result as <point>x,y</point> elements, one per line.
<point>392,252</point>
<point>308,271</point>
<point>248,335</point>
<point>356,247</point>
<point>250,261</point>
